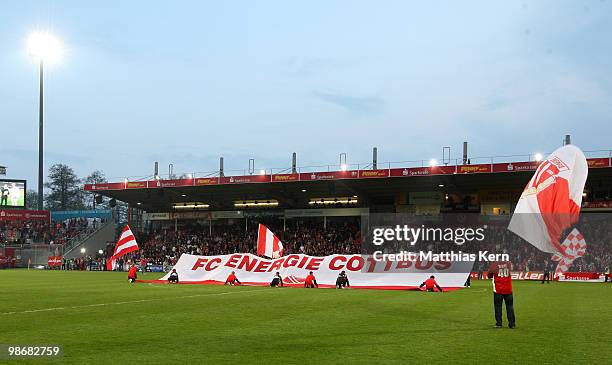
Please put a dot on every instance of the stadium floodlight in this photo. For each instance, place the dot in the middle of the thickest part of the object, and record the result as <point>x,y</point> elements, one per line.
<point>46,48</point>
<point>343,167</point>
<point>538,157</point>
<point>262,172</point>
<point>433,162</point>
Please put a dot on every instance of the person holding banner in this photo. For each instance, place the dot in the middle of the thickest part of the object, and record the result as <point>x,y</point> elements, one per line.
<point>342,280</point>
<point>277,281</point>
<point>311,281</point>
<point>431,284</point>
<point>232,279</point>
<point>132,273</point>
<point>173,278</point>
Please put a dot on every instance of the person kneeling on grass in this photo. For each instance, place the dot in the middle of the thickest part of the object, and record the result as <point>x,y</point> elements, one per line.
<point>277,281</point>
<point>232,279</point>
<point>132,273</point>
<point>342,281</point>
<point>173,278</point>
<point>311,281</point>
<point>430,284</point>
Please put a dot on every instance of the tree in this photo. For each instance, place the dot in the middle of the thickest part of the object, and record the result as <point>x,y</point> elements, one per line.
<point>96,177</point>
<point>65,189</point>
<point>32,200</point>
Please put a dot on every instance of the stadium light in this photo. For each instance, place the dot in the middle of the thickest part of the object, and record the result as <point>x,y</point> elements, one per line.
<point>433,162</point>
<point>46,48</point>
<point>262,172</point>
<point>343,167</point>
<point>538,157</point>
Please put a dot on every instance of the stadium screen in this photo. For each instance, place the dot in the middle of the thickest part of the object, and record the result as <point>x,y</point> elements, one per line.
<point>12,193</point>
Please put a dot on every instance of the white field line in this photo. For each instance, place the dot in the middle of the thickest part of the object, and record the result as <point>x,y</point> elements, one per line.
<point>131,302</point>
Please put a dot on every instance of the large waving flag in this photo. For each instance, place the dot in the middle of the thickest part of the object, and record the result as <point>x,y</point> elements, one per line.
<point>268,244</point>
<point>551,200</point>
<point>125,244</point>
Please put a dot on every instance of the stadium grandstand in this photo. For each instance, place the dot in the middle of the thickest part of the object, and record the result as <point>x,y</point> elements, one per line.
<point>321,212</point>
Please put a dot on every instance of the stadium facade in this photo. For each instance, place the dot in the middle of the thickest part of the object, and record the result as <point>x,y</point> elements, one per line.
<point>484,188</point>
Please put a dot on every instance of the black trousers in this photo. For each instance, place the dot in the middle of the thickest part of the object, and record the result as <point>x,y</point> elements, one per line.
<point>498,300</point>
<point>546,277</point>
<point>607,277</point>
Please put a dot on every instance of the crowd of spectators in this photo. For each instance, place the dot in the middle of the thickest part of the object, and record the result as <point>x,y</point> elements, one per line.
<point>24,232</point>
<point>41,232</point>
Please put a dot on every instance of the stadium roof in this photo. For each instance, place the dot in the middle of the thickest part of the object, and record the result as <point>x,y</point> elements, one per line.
<point>372,187</point>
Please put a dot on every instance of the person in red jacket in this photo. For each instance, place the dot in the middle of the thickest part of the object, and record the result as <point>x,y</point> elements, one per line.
<point>232,279</point>
<point>502,292</point>
<point>132,273</point>
<point>430,284</point>
<point>311,281</point>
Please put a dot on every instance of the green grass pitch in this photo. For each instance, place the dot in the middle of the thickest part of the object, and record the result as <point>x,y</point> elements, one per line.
<point>99,318</point>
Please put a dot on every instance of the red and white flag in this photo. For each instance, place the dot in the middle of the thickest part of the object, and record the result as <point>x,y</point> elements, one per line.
<point>574,246</point>
<point>551,201</point>
<point>268,244</point>
<point>125,244</point>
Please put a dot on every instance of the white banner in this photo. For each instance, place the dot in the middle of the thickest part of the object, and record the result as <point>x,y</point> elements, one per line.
<point>583,277</point>
<point>362,271</point>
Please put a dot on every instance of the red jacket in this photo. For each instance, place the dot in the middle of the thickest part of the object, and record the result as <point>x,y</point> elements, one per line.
<point>430,284</point>
<point>231,278</point>
<point>132,273</point>
<point>501,274</point>
<point>310,279</point>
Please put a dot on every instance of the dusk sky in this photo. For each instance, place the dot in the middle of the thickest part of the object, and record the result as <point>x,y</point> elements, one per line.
<point>185,82</point>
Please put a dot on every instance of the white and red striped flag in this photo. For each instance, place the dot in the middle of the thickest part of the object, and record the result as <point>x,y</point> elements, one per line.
<point>125,244</point>
<point>268,244</point>
<point>551,201</point>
